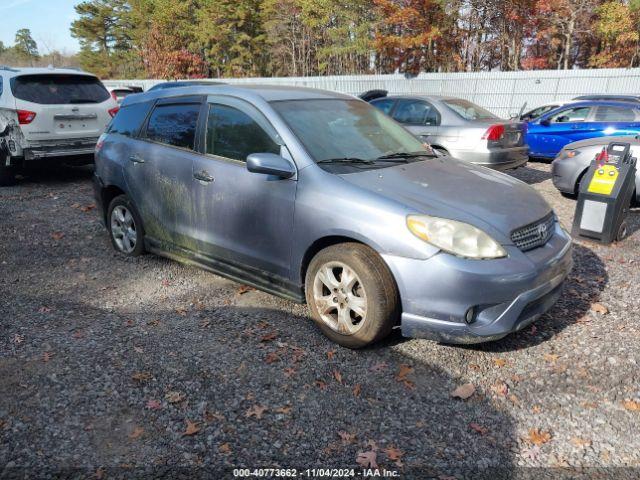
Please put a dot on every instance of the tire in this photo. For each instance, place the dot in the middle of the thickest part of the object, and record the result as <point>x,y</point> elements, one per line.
<point>125,227</point>
<point>373,289</point>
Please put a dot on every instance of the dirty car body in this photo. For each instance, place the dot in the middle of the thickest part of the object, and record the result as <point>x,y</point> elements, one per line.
<point>573,161</point>
<point>264,230</point>
<point>460,128</point>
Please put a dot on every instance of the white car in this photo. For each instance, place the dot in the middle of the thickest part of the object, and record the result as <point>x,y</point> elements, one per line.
<point>50,114</point>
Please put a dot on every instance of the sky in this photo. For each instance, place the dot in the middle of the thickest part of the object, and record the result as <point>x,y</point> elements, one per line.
<point>48,20</point>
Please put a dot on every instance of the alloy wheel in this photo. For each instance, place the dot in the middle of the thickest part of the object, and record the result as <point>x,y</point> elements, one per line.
<point>123,229</point>
<point>340,298</point>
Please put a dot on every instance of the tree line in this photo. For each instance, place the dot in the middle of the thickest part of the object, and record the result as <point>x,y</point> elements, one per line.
<point>238,38</point>
<point>25,53</point>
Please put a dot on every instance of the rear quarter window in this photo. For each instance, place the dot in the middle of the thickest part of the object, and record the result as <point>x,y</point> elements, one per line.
<point>129,119</point>
<point>59,89</point>
<point>615,114</point>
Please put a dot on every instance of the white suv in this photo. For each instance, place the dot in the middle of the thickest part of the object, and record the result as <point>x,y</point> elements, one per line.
<point>48,114</point>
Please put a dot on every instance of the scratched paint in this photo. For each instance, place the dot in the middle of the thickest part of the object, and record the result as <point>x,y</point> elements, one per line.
<point>10,131</point>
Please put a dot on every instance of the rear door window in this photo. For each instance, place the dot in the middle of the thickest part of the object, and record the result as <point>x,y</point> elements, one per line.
<point>59,89</point>
<point>615,114</point>
<point>412,112</point>
<point>231,133</point>
<point>129,119</point>
<point>174,124</point>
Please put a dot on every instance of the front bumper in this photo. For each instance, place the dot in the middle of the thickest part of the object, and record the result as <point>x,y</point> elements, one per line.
<point>498,159</point>
<point>505,294</point>
<point>565,173</point>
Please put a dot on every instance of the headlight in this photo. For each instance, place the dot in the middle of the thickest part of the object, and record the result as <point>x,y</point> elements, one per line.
<point>571,153</point>
<point>458,238</point>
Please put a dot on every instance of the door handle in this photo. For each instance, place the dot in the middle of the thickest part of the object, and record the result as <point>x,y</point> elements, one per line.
<point>203,176</point>
<point>136,159</point>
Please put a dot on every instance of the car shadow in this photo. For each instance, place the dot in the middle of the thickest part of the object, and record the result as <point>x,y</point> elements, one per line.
<point>318,405</point>
<point>530,175</point>
<point>52,174</point>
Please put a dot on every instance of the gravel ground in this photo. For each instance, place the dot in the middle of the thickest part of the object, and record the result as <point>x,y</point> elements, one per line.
<point>114,367</point>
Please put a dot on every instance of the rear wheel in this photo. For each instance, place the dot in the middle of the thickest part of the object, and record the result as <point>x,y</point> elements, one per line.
<point>125,227</point>
<point>352,295</point>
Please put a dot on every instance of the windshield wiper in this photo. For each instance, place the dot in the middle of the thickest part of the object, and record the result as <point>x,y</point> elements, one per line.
<point>404,156</point>
<point>346,160</point>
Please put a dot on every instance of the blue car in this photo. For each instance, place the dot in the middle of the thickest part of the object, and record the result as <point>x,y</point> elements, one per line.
<point>575,121</point>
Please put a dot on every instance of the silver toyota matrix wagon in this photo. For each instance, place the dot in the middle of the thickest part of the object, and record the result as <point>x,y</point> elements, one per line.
<point>320,197</point>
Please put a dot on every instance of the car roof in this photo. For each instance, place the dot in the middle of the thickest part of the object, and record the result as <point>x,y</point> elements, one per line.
<point>421,97</point>
<point>18,71</point>
<point>269,93</point>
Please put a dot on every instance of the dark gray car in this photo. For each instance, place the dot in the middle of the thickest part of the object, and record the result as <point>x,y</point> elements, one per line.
<point>319,197</point>
<point>574,159</point>
<point>457,127</point>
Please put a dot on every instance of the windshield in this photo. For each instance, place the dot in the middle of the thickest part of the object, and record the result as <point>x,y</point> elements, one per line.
<point>346,129</point>
<point>58,89</point>
<point>468,110</point>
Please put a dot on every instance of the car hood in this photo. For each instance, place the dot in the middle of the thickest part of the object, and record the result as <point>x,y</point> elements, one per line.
<point>448,188</point>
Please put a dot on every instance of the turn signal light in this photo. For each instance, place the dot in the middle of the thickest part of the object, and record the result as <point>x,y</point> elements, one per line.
<point>25,117</point>
<point>113,111</point>
<point>494,132</point>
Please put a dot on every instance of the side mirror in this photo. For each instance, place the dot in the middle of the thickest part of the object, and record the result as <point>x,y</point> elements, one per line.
<point>545,122</point>
<point>270,164</point>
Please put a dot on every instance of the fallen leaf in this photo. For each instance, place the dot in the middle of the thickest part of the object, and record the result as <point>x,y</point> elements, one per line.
<point>330,354</point>
<point>599,308</point>
<point>581,442</point>
<point>271,357</point>
<point>17,339</point>
<point>256,411</point>
<point>269,337</point>
<point>478,428</point>
<point>243,289</point>
<point>165,282</point>
<point>403,372</point>
<point>379,367</point>
<point>288,372</point>
<point>499,362</point>
<point>338,376</point>
<point>464,391</point>
<point>212,416</point>
<point>321,385</point>
<point>538,437</point>
<point>285,409</point>
<point>631,405</point>
<point>137,433</point>
<point>346,437</point>
<point>205,323</point>
<point>367,459</point>
<point>153,323</point>
<point>192,428</point>
<point>44,309</point>
<point>46,356</point>
<point>181,311</point>
<point>99,473</point>
<point>153,405</point>
<point>57,235</point>
<point>88,208</point>
<point>138,349</point>
<point>531,453</point>
<point>394,454</point>
<point>225,449</point>
<point>174,396</point>
<point>551,357</point>
<point>500,388</point>
<point>357,389</point>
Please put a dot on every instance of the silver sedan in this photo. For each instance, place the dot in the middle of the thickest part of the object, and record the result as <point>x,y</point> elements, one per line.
<point>457,127</point>
<point>573,161</point>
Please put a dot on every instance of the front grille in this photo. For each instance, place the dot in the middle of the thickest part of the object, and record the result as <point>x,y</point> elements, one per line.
<point>535,234</point>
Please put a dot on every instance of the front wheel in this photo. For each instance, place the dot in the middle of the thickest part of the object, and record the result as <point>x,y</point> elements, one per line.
<point>125,227</point>
<point>352,295</point>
